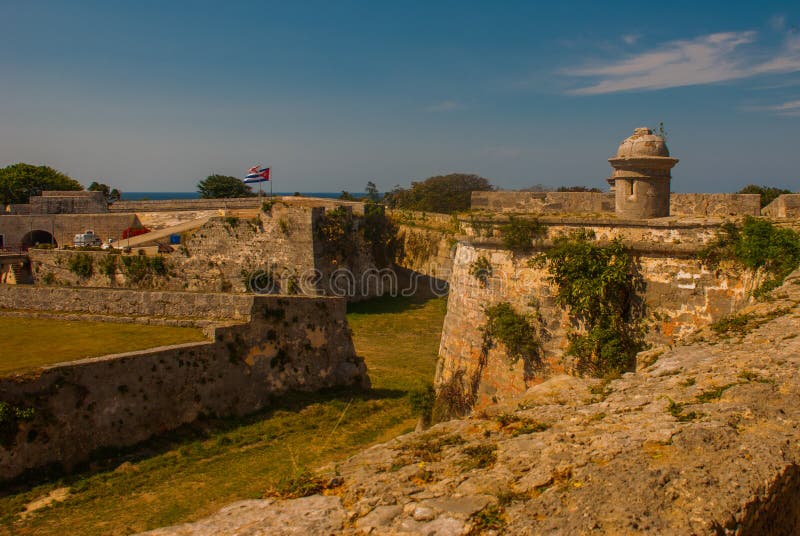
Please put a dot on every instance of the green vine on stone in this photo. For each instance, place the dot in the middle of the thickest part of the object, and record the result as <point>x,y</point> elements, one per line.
<point>82,265</point>
<point>481,270</point>
<point>598,285</point>
<point>521,334</point>
<point>758,244</point>
<point>10,417</point>
<point>335,231</point>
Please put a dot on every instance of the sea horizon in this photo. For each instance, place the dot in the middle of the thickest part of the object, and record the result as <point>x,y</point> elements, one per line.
<point>161,196</point>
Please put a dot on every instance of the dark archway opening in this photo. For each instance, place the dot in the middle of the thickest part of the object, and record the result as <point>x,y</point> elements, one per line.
<point>33,238</point>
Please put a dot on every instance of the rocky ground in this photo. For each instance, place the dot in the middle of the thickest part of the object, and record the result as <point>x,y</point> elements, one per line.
<point>703,441</point>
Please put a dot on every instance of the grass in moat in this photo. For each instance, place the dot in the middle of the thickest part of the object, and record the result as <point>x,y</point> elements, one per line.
<point>28,343</point>
<point>193,472</point>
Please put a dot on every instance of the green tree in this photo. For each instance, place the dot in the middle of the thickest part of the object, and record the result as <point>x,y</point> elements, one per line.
<point>372,192</point>
<point>19,182</point>
<point>347,196</point>
<point>768,193</point>
<point>111,194</point>
<point>217,186</point>
<point>442,193</point>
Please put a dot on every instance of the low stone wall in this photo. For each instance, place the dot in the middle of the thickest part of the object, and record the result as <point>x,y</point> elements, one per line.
<point>544,202</point>
<point>169,205</point>
<point>679,297</point>
<point>672,233</point>
<point>289,343</point>
<point>785,206</point>
<point>719,205</point>
<point>425,220</point>
<point>127,303</point>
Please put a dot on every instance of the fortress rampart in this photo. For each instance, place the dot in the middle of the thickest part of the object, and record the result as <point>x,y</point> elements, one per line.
<point>280,344</point>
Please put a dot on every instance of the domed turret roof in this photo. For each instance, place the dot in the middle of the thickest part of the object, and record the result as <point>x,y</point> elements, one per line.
<point>643,143</point>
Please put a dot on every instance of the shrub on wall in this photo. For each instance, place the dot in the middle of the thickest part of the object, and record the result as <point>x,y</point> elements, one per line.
<point>481,270</point>
<point>335,231</point>
<point>519,333</point>
<point>82,265</point>
<point>519,234</point>
<point>598,284</point>
<point>380,233</point>
<point>758,244</point>
<point>10,417</point>
<point>140,269</point>
<point>108,265</point>
<point>419,246</point>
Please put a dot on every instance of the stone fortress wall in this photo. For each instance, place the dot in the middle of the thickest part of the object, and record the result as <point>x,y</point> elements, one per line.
<point>679,297</point>
<point>785,206</point>
<point>552,203</point>
<point>223,254</point>
<point>127,304</point>
<point>270,345</point>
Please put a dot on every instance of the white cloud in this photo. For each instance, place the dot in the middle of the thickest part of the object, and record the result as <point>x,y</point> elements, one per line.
<point>631,39</point>
<point>789,108</point>
<point>708,59</point>
<point>445,106</point>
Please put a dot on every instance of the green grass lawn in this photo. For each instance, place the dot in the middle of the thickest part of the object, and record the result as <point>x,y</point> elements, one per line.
<point>191,473</point>
<point>32,342</point>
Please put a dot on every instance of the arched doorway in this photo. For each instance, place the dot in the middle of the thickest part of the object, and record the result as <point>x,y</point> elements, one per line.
<point>38,237</point>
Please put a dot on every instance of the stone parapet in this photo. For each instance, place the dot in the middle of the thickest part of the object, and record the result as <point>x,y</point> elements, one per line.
<point>785,206</point>
<point>715,205</point>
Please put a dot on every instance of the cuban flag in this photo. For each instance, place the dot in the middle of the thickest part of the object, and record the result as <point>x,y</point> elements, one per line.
<point>256,174</point>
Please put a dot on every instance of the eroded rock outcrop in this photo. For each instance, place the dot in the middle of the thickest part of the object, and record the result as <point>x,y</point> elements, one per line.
<point>703,441</point>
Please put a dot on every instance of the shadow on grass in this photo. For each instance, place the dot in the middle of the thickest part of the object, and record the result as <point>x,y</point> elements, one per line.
<point>107,458</point>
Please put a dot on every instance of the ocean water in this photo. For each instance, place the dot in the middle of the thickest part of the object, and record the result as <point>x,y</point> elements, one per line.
<point>155,196</point>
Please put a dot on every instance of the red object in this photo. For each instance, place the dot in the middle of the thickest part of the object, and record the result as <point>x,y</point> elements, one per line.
<point>265,173</point>
<point>130,232</point>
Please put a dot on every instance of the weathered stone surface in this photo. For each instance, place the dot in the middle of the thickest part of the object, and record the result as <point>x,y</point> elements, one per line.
<point>693,204</point>
<point>225,253</point>
<point>704,441</point>
<point>680,295</point>
<point>785,206</point>
<point>310,515</point>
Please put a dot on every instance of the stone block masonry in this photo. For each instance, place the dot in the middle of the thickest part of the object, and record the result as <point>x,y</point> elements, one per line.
<point>286,343</point>
<point>715,205</point>
<point>219,307</point>
<point>544,202</point>
<point>679,297</point>
<point>785,206</point>
<point>225,253</point>
<point>550,203</point>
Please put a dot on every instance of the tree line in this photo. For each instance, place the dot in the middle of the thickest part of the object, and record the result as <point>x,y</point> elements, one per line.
<point>18,182</point>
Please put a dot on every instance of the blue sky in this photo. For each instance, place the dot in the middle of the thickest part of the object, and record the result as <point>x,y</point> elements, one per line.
<point>154,96</point>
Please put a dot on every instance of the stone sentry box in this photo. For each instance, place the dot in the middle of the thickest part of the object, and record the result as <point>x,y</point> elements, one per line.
<point>641,177</point>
